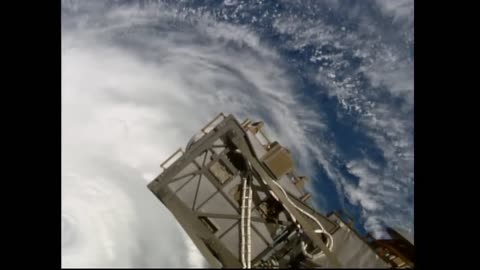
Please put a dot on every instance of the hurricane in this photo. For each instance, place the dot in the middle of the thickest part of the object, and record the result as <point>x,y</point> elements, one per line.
<point>332,80</point>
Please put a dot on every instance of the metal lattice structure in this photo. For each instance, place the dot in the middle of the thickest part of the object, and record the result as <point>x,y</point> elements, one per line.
<point>238,197</point>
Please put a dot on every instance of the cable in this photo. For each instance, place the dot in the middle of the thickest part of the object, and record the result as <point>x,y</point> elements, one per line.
<point>276,198</point>
<point>242,226</point>
<point>249,221</point>
<point>246,206</point>
<point>321,231</point>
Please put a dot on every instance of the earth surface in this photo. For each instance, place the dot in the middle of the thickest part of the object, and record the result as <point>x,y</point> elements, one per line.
<point>332,80</point>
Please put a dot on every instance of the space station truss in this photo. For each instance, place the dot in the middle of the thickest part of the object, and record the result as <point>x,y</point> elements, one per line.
<point>238,197</point>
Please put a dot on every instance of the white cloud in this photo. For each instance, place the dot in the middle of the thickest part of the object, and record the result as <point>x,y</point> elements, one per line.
<point>373,225</point>
<point>130,97</point>
<point>137,83</point>
<point>385,73</point>
<point>303,33</point>
<point>399,9</point>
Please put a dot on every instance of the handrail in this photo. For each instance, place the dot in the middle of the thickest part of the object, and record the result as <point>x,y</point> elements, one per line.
<point>169,158</point>
<point>211,122</point>
<point>204,130</point>
<point>265,137</point>
<point>246,122</point>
